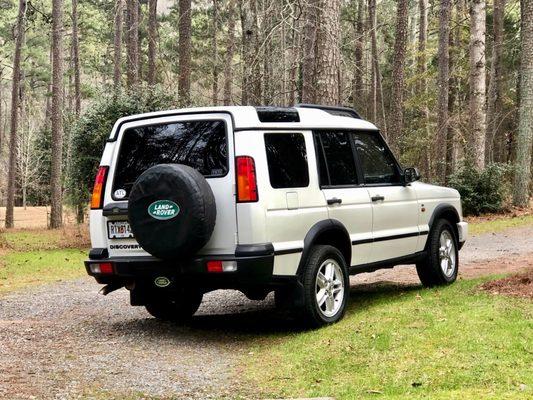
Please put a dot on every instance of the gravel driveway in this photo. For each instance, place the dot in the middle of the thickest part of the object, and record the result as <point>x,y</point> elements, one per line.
<point>66,341</point>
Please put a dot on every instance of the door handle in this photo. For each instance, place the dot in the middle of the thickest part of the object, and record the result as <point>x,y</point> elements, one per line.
<point>377,198</point>
<point>334,201</point>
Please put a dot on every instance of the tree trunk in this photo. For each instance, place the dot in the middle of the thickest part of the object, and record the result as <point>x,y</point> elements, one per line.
<point>358,72</point>
<point>423,9</point>
<point>493,145</point>
<point>328,53</point>
<point>56,212</point>
<point>76,58</point>
<point>184,79</point>
<point>453,91</point>
<point>117,46</point>
<point>15,97</point>
<point>376,101</point>
<point>294,61</point>
<point>1,117</point>
<point>443,87</point>
<point>230,50</point>
<point>152,41</point>
<point>476,147</point>
<point>309,62</point>
<point>395,126</point>
<point>132,29</point>
<point>251,83</point>
<point>139,41</point>
<point>524,140</point>
<point>214,45</point>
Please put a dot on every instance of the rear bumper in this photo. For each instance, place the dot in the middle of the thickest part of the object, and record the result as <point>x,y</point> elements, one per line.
<point>254,263</point>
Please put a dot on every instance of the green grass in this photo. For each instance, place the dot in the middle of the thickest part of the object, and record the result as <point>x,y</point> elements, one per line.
<point>32,257</point>
<point>21,269</point>
<point>499,224</point>
<point>399,343</point>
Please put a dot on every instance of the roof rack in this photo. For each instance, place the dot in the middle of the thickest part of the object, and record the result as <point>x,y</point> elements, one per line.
<point>339,111</point>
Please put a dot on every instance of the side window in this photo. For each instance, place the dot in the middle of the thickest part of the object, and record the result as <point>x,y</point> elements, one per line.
<point>287,160</point>
<point>339,158</point>
<point>377,162</point>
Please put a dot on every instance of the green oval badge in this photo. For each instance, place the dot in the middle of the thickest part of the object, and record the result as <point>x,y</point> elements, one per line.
<point>163,209</point>
<point>162,281</point>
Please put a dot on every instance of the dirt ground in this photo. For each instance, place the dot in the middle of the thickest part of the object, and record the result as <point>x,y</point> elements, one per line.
<point>34,217</point>
<point>66,341</point>
<point>519,285</point>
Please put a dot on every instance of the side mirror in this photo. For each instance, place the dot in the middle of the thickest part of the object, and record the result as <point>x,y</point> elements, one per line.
<point>410,175</point>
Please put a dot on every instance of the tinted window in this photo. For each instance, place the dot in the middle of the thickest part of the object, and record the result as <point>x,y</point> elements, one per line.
<point>199,144</point>
<point>287,160</point>
<point>339,158</point>
<point>376,160</point>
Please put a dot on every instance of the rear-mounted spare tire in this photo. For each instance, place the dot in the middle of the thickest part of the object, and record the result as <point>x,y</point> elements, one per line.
<point>171,211</point>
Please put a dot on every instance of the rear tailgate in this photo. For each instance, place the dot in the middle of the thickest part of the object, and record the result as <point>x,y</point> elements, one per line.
<point>202,141</point>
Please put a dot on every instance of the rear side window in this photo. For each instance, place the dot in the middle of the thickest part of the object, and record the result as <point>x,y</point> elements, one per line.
<point>199,144</point>
<point>377,162</point>
<point>339,158</point>
<point>287,160</point>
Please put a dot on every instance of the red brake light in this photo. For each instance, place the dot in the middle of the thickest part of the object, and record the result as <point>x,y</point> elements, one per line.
<point>97,198</point>
<point>106,268</point>
<point>214,266</point>
<point>246,180</point>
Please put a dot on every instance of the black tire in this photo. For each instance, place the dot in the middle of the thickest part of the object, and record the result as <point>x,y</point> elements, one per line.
<point>186,191</point>
<point>430,271</point>
<point>175,309</point>
<point>311,314</point>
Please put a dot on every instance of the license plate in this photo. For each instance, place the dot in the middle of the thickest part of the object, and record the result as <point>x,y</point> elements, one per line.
<point>119,230</point>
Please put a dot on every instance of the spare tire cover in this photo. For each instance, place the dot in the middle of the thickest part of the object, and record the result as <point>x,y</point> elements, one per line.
<point>171,211</point>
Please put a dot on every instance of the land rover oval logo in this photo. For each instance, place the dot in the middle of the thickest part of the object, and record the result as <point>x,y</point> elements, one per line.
<point>162,281</point>
<point>163,209</point>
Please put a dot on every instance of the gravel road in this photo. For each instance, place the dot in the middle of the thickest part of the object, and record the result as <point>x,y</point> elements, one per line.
<point>65,341</point>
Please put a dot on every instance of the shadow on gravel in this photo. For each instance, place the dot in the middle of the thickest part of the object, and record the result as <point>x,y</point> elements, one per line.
<point>249,324</point>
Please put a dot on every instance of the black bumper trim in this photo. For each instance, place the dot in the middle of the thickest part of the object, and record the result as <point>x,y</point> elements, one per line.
<point>254,250</point>
<point>251,271</point>
<point>98,253</point>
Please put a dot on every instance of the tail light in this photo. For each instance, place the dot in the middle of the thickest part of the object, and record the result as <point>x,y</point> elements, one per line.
<point>101,268</point>
<point>246,180</point>
<point>97,198</point>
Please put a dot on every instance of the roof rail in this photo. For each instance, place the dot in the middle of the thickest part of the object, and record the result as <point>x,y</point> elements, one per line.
<point>340,111</point>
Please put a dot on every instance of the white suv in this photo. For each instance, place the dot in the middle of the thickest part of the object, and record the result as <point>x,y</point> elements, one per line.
<point>261,199</point>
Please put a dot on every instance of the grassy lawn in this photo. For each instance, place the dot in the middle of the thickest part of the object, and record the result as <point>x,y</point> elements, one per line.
<point>498,224</point>
<point>403,343</point>
<point>30,257</point>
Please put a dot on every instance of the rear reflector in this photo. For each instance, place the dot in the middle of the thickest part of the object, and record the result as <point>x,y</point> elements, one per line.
<point>101,268</point>
<point>246,180</point>
<point>221,266</point>
<point>97,198</point>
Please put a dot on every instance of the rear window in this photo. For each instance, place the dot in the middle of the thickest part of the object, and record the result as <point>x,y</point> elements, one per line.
<point>201,145</point>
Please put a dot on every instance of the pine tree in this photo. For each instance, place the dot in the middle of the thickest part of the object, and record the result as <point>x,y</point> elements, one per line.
<point>184,79</point>
<point>395,125</point>
<point>476,147</point>
<point>56,187</point>
<point>328,53</point>
<point>524,139</point>
<point>152,41</point>
<point>13,134</point>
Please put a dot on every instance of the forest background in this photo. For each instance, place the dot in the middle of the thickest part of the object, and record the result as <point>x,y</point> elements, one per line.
<point>449,83</point>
